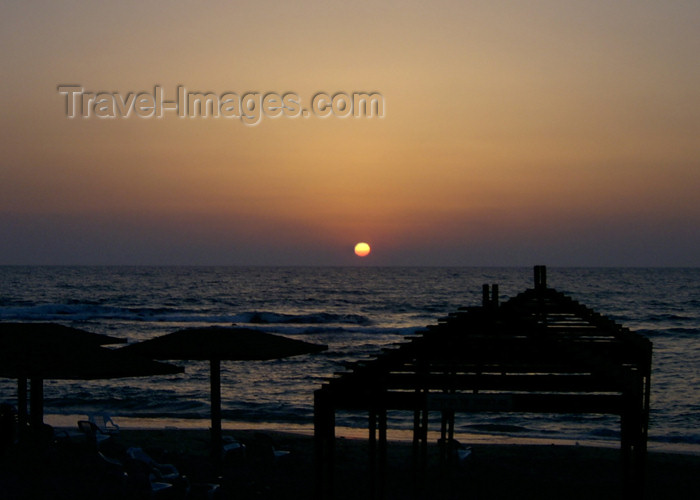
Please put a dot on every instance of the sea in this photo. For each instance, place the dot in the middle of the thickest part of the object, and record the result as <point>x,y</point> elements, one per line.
<point>356,311</point>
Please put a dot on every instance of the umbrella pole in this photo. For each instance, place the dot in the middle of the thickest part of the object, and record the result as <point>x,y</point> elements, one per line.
<point>22,415</point>
<point>215,380</point>
<point>36,408</point>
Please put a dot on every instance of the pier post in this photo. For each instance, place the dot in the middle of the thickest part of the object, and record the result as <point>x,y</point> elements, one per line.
<point>485,296</point>
<point>382,454</point>
<point>540,277</point>
<point>215,394</point>
<point>324,443</point>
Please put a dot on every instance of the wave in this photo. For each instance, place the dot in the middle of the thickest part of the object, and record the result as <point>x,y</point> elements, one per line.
<point>85,312</point>
<point>674,438</point>
<point>676,332</point>
<point>506,428</point>
<point>307,319</point>
<point>341,330</point>
<point>89,312</point>
<point>668,318</point>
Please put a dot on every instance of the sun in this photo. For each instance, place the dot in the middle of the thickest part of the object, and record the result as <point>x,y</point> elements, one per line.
<point>362,249</point>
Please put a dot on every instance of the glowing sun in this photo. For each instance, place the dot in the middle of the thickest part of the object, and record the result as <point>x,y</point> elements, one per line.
<point>362,249</point>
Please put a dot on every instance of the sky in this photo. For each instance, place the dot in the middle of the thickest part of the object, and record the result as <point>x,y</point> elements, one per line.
<point>516,133</point>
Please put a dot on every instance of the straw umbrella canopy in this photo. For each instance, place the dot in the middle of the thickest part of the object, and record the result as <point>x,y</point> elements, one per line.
<point>215,344</point>
<point>39,351</point>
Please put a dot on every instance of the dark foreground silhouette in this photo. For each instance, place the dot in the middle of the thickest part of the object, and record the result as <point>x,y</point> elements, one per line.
<point>71,468</point>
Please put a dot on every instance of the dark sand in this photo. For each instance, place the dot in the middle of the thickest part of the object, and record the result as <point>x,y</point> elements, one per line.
<point>70,469</point>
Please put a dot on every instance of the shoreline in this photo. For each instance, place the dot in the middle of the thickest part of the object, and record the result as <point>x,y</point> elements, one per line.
<point>69,422</point>
<point>497,469</point>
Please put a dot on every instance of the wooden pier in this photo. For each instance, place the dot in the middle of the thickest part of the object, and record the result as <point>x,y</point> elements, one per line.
<point>539,352</point>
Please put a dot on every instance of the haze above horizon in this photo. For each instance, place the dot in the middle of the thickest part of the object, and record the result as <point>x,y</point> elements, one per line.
<point>554,132</point>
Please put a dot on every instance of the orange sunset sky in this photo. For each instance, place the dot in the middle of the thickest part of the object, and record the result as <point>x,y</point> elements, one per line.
<point>520,132</point>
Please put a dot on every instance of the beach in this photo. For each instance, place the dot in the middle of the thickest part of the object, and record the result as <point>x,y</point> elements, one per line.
<point>357,314</point>
<point>71,468</point>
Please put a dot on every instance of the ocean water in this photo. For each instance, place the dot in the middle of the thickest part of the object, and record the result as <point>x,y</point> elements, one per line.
<point>355,311</point>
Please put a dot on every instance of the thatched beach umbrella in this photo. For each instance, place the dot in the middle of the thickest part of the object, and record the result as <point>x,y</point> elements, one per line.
<point>39,351</point>
<point>215,344</point>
